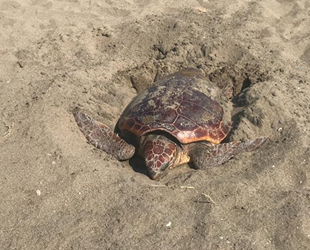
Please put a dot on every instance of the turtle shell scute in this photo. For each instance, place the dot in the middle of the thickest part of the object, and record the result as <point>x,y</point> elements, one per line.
<point>182,105</point>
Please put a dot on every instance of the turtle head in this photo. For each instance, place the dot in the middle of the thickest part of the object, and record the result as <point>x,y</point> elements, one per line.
<point>159,153</point>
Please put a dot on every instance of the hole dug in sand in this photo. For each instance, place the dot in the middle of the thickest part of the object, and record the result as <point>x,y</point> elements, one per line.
<point>236,81</point>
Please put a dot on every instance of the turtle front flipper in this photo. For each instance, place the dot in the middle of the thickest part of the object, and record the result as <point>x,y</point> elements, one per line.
<point>208,155</point>
<point>102,137</point>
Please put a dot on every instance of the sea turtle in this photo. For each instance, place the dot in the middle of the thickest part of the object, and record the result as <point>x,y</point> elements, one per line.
<point>182,118</point>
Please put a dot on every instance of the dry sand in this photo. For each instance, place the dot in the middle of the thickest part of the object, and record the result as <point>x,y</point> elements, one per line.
<point>58,192</point>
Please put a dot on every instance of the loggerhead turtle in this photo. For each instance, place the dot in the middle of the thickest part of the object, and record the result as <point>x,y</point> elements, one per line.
<point>181,119</point>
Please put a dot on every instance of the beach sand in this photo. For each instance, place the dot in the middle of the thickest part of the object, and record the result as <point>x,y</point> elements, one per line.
<point>59,192</point>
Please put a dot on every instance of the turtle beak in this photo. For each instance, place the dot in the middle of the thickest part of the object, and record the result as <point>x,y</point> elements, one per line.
<point>158,175</point>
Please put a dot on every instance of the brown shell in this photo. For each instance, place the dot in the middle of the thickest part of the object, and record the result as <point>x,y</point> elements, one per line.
<point>184,104</point>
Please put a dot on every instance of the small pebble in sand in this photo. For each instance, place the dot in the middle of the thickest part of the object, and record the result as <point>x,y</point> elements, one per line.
<point>38,192</point>
<point>168,224</point>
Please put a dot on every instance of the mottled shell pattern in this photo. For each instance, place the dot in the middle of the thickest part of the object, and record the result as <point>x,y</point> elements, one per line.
<point>185,105</point>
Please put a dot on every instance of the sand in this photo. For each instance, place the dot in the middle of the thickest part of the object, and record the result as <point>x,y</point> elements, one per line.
<point>59,192</point>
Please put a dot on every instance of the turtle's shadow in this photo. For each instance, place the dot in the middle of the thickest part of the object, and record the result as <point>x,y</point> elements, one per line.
<point>235,120</point>
<point>239,103</point>
<point>138,165</point>
<point>136,162</point>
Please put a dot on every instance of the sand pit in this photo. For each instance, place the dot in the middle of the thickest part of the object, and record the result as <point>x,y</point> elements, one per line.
<point>58,192</point>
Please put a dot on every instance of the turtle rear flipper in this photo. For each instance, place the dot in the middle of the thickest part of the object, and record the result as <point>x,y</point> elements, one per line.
<point>207,156</point>
<point>102,137</point>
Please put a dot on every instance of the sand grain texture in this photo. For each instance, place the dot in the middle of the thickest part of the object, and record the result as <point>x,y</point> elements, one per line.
<point>58,192</point>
